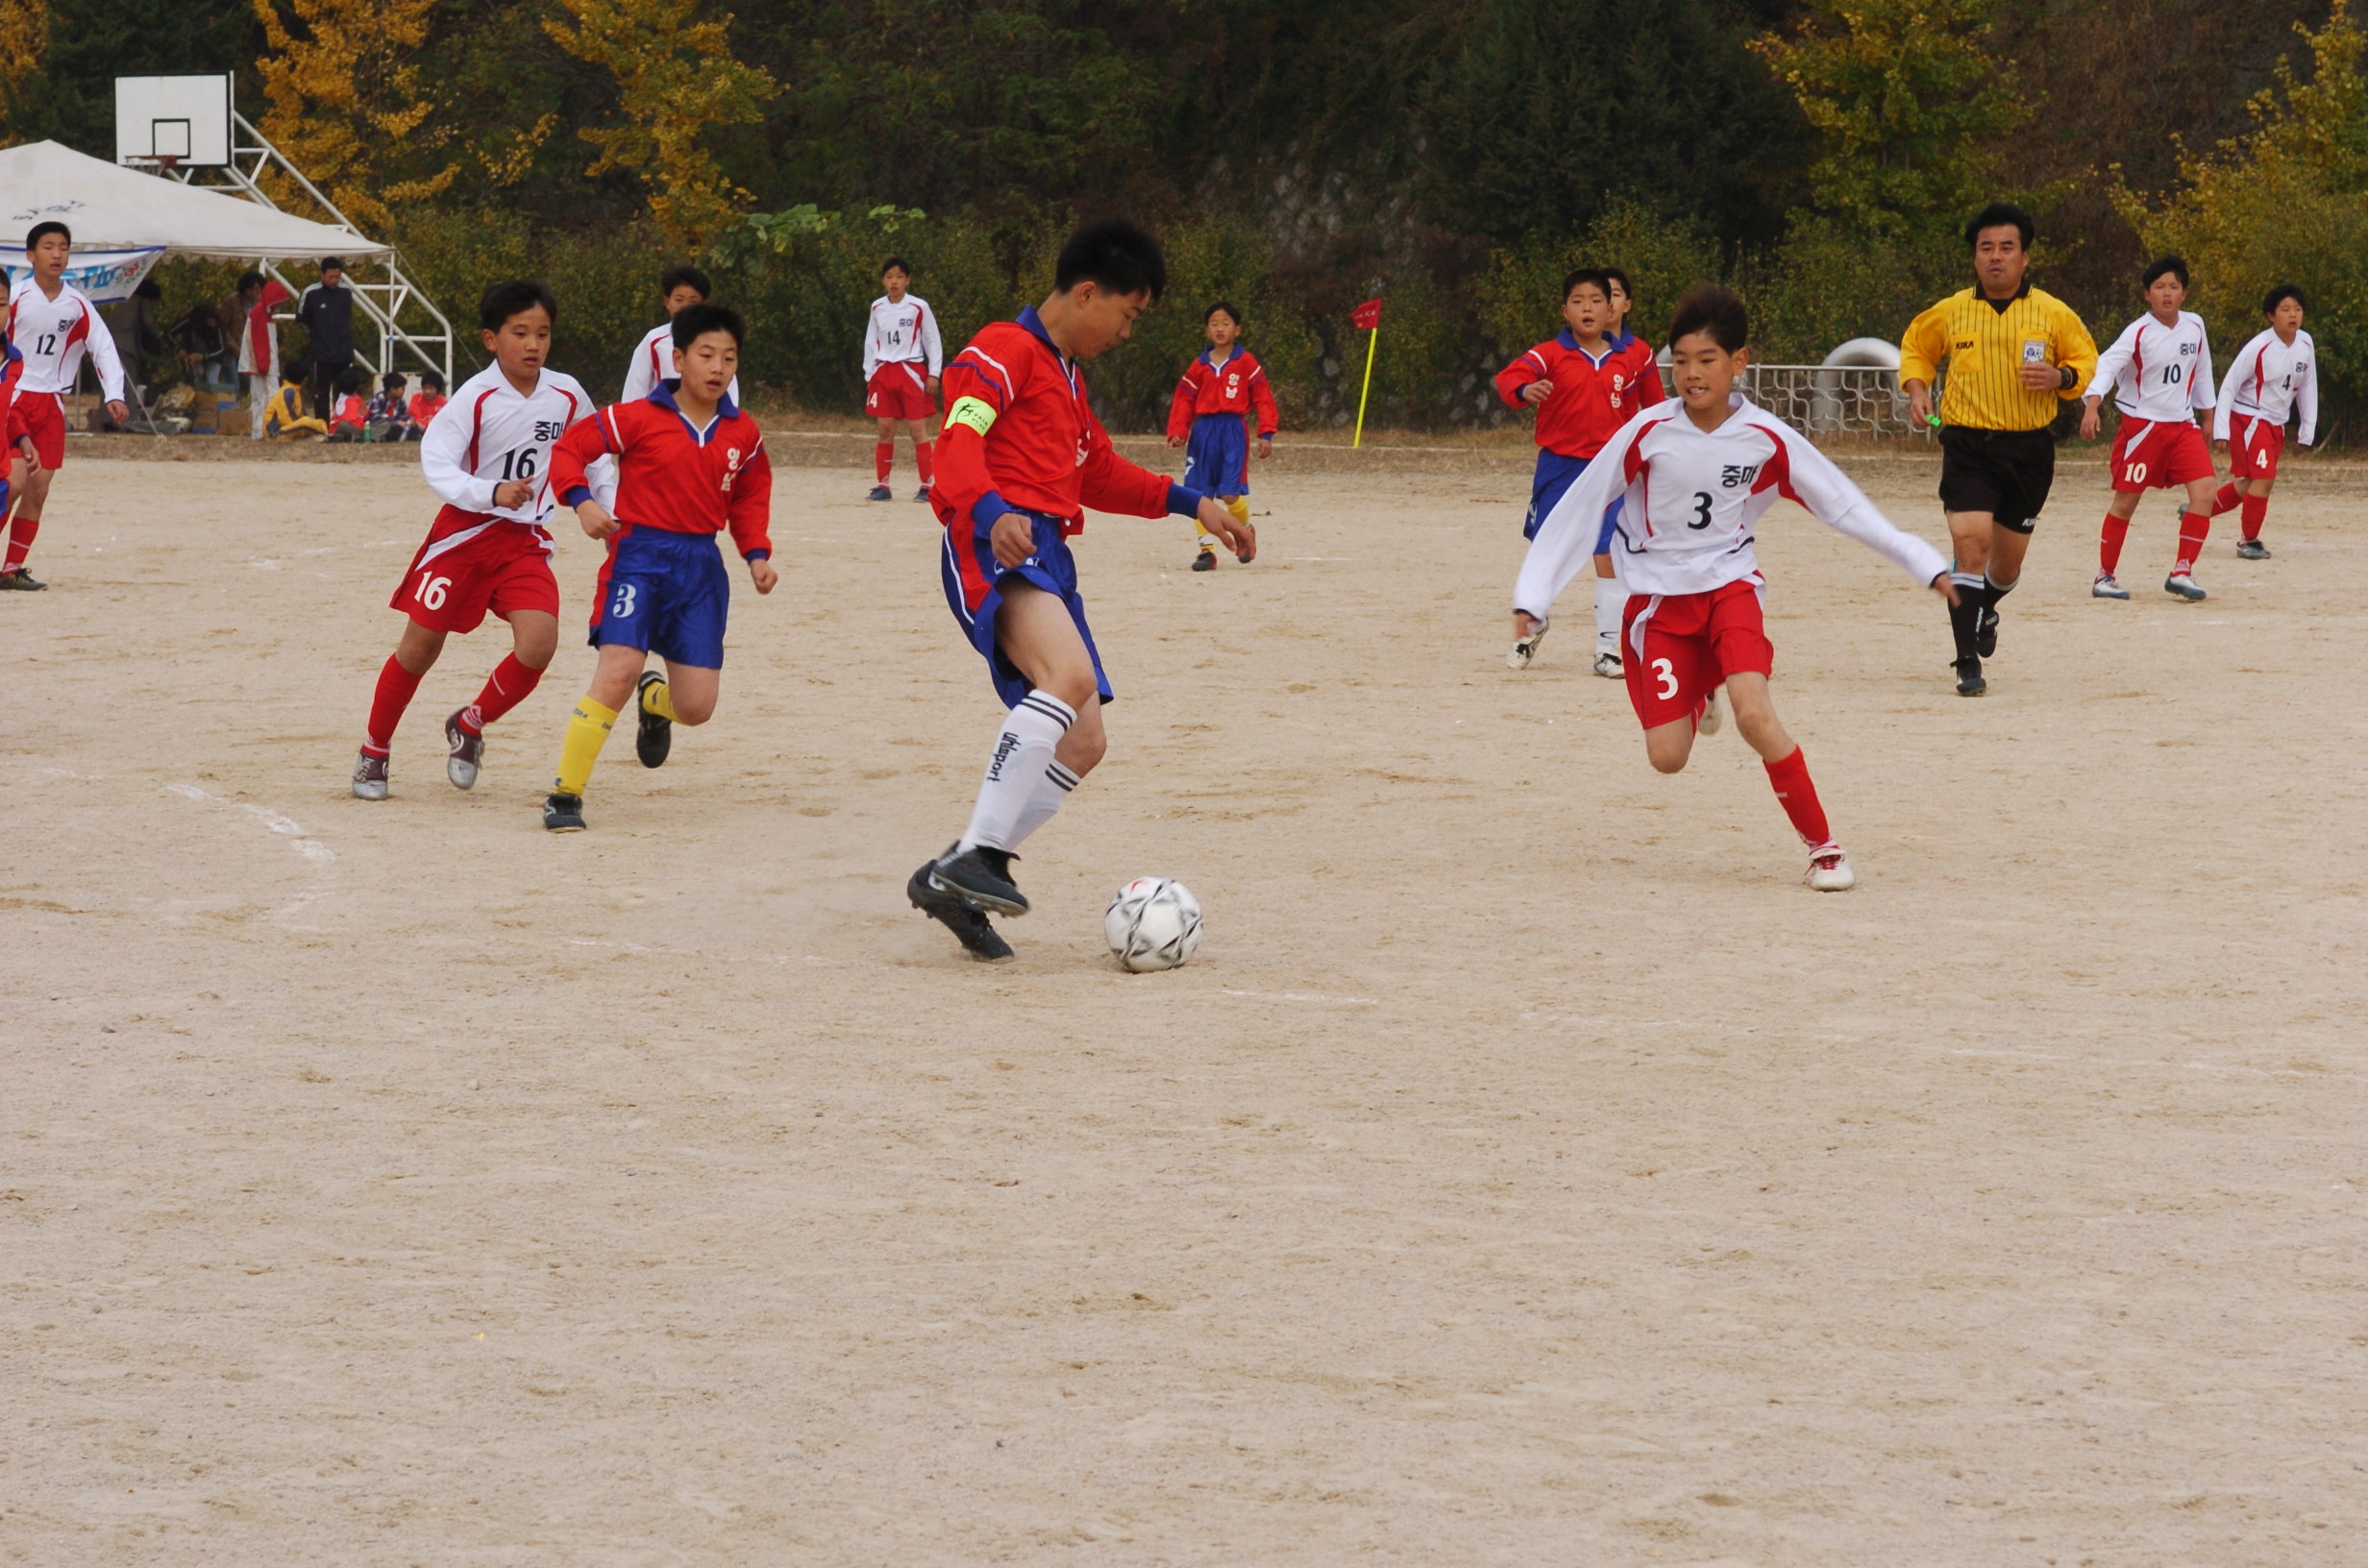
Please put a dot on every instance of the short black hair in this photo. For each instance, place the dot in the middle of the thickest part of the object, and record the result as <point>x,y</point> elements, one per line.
<point>684,276</point>
<point>1998,215</point>
<point>2168,266</point>
<point>895,264</point>
<point>1597,276</point>
<point>332,263</point>
<point>251,279</point>
<point>514,298</point>
<point>1114,254</point>
<point>349,381</point>
<point>392,380</point>
<point>42,230</point>
<point>2284,292</point>
<point>432,378</point>
<point>699,320</point>
<point>1226,305</point>
<point>1618,277</point>
<point>1719,312</point>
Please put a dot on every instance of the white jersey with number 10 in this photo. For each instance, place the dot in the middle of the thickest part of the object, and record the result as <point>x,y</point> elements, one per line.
<point>2164,373</point>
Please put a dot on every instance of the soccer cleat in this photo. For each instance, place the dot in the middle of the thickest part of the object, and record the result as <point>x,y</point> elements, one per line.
<point>2105,587</point>
<point>2181,585</point>
<point>654,737</point>
<point>1206,561</point>
<point>1713,718</point>
<point>468,752</point>
<point>1969,681</point>
<point>563,813</point>
<point>2252,550</point>
<point>20,580</point>
<point>1525,649</point>
<point>1608,667</point>
<point>1829,871</point>
<point>881,491</point>
<point>981,877</point>
<point>1985,634</point>
<point>369,777</point>
<point>966,920</point>
<point>922,494</point>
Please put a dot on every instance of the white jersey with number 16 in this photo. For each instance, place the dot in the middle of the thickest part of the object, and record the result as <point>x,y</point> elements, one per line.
<point>491,433</point>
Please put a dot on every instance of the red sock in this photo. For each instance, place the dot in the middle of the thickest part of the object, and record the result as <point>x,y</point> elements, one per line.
<point>2226,500</point>
<point>2110,541</point>
<point>2256,508</point>
<point>882,456</point>
<point>924,458</point>
<point>396,686</point>
<point>504,689</point>
<point>1790,779</point>
<point>2193,529</point>
<point>20,541</point>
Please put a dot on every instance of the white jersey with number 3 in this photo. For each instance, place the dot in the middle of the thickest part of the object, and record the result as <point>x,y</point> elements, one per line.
<point>2163,373</point>
<point>1691,499</point>
<point>491,433</point>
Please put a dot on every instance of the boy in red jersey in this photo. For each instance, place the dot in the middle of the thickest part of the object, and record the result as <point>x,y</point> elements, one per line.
<point>1585,385</point>
<point>1697,475</point>
<point>1223,388</point>
<point>690,464</point>
<point>488,548</point>
<point>1023,456</point>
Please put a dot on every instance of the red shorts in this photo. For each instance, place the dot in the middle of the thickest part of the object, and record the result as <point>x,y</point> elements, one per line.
<point>2254,445</point>
<point>899,392</point>
<point>40,415</point>
<point>2150,455</point>
<point>471,564</point>
<point>1690,644</point>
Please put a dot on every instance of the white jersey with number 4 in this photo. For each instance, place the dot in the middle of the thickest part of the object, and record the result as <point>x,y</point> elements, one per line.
<point>902,333</point>
<point>2163,373</point>
<point>1689,500</point>
<point>2268,379</point>
<point>654,362</point>
<point>491,433</point>
<point>53,334</point>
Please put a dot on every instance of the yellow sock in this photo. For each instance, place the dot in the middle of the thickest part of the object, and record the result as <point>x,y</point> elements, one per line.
<point>658,698</point>
<point>1205,539</point>
<point>1238,507</point>
<point>587,730</point>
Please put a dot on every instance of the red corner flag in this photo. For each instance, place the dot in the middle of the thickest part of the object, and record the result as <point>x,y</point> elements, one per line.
<point>1367,316</point>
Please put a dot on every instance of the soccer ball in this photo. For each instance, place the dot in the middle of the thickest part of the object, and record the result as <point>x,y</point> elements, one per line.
<point>1153,923</point>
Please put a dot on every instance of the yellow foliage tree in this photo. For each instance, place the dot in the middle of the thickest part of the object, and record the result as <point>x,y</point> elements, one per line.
<point>24,38</point>
<point>345,103</point>
<point>675,76</point>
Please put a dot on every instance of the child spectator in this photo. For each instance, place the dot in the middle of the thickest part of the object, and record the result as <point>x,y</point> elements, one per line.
<point>427,400</point>
<point>284,414</point>
<point>390,412</point>
<point>349,418</point>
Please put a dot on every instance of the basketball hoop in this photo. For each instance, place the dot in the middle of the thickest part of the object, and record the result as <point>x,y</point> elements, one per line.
<point>161,162</point>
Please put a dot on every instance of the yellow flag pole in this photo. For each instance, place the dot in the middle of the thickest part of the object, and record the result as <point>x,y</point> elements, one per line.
<point>1372,343</point>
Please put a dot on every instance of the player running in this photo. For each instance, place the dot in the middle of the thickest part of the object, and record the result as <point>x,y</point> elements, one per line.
<point>654,356</point>
<point>1023,456</point>
<point>690,464</point>
<point>1585,383</point>
<point>2275,375</point>
<point>52,326</point>
<point>1696,474</point>
<point>1221,389</point>
<point>901,353</point>
<point>2162,364</point>
<point>489,461</point>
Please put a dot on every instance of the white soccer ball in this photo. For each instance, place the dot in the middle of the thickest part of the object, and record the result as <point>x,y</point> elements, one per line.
<point>1153,923</point>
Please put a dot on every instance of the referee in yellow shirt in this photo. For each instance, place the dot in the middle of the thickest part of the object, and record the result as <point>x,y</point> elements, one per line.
<point>2016,356</point>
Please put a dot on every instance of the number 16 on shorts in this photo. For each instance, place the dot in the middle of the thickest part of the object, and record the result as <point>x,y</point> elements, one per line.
<point>432,590</point>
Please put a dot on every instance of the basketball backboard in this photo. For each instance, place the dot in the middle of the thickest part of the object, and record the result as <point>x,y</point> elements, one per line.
<point>177,121</point>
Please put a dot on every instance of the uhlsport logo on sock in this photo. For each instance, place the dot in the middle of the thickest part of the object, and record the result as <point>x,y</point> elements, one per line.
<point>1003,749</point>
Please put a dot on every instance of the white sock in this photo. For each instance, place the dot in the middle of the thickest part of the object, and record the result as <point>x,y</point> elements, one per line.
<point>1050,792</point>
<point>1610,600</point>
<point>1022,752</point>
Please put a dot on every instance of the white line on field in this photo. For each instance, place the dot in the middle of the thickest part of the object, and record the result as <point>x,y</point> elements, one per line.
<point>1302,997</point>
<point>320,854</point>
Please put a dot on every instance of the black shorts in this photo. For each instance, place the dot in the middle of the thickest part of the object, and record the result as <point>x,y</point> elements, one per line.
<point>2004,472</point>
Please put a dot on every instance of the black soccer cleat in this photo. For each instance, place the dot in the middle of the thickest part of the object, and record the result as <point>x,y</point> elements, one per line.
<point>21,581</point>
<point>1986,635</point>
<point>968,923</point>
<point>2252,550</point>
<point>563,813</point>
<point>922,494</point>
<point>1206,561</point>
<point>881,491</point>
<point>1969,681</point>
<point>654,737</point>
<point>979,876</point>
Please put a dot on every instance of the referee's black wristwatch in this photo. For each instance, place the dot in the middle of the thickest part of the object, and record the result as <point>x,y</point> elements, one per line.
<point>2068,377</point>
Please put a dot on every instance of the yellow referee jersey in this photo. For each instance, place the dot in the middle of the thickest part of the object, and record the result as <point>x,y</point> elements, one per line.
<point>1986,348</point>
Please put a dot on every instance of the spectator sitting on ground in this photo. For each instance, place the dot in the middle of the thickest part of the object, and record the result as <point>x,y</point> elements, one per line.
<point>284,418</point>
<point>428,402</point>
<point>350,419</point>
<point>390,412</point>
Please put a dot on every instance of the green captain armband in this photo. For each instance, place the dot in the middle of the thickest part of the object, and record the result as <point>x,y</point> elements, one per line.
<point>974,412</point>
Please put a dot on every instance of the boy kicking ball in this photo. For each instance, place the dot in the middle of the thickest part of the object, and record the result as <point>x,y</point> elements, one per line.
<point>1694,475</point>
<point>690,465</point>
<point>489,461</point>
<point>1022,457</point>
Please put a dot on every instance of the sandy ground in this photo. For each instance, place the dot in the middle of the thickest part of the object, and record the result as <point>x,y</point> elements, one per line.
<point>1529,1171</point>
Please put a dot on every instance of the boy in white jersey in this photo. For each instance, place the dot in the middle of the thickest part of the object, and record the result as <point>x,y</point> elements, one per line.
<point>2161,363</point>
<point>488,457</point>
<point>654,356</point>
<point>2275,375</point>
<point>1694,474</point>
<point>52,326</point>
<point>902,355</point>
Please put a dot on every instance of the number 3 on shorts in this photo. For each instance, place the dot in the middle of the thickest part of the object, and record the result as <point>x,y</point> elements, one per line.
<point>1667,676</point>
<point>431,590</point>
<point>621,602</point>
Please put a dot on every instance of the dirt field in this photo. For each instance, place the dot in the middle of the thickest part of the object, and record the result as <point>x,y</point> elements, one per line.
<point>1529,1170</point>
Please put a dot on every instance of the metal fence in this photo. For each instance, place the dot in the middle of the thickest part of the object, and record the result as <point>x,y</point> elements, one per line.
<point>1828,400</point>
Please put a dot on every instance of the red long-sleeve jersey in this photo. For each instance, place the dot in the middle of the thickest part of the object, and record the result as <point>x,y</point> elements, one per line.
<point>671,474</point>
<point>1020,436</point>
<point>1592,397</point>
<point>1236,387</point>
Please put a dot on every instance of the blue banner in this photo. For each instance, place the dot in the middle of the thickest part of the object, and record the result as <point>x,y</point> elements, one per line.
<point>103,277</point>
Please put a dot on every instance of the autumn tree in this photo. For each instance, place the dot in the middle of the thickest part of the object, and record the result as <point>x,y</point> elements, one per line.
<point>24,37</point>
<point>345,101</point>
<point>675,76</point>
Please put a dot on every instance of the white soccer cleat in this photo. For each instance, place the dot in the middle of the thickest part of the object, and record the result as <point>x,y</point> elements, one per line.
<point>1713,718</point>
<point>1608,667</point>
<point>369,777</point>
<point>2105,587</point>
<point>1829,871</point>
<point>1526,649</point>
<point>2180,585</point>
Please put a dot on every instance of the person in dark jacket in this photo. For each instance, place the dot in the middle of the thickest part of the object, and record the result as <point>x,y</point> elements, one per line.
<point>326,313</point>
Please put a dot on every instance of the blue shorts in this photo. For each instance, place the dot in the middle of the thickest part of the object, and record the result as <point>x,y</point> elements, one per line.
<point>666,594</point>
<point>1555,475</point>
<point>975,592</point>
<point>1216,455</point>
